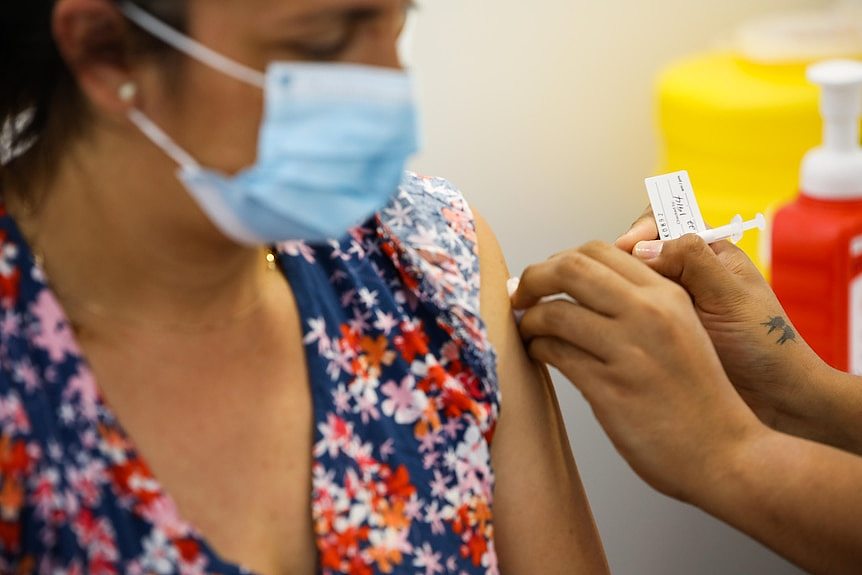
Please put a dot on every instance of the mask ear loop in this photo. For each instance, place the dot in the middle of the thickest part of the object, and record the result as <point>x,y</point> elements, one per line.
<point>190,47</point>
<point>127,93</point>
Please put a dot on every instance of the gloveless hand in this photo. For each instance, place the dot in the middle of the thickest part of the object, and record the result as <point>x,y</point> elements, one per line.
<point>763,355</point>
<point>635,347</point>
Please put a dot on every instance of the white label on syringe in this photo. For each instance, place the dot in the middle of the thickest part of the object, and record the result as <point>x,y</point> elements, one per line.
<point>674,205</point>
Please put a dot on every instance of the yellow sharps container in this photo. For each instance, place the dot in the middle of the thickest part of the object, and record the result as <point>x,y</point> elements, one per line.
<point>740,121</point>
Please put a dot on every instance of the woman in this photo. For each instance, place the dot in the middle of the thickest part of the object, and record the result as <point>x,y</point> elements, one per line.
<point>706,389</point>
<point>178,398</point>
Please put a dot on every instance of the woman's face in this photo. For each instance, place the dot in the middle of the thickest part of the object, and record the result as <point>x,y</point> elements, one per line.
<point>217,118</point>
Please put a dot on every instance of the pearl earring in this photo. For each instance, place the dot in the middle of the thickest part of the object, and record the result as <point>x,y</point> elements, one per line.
<point>128,92</point>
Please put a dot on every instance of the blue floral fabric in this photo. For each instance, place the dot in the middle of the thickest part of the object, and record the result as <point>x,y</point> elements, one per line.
<point>405,404</point>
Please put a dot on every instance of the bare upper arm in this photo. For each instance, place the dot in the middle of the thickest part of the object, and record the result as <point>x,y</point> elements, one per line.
<point>542,516</point>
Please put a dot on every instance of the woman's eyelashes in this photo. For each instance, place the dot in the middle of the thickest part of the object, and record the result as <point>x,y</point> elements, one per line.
<point>323,51</point>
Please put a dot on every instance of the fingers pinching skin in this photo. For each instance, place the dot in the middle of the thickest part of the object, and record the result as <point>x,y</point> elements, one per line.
<point>577,274</point>
<point>650,373</point>
<point>573,324</point>
<point>624,264</point>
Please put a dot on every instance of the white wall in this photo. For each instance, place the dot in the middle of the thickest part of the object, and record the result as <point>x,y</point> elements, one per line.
<point>541,111</point>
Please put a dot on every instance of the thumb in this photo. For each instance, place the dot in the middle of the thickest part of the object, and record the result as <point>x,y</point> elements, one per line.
<point>692,263</point>
<point>644,228</point>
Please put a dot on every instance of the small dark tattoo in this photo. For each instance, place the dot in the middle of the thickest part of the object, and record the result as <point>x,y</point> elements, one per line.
<point>779,323</point>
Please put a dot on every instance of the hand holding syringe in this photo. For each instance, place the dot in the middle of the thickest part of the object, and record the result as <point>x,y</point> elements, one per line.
<point>677,214</point>
<point>734,230</point>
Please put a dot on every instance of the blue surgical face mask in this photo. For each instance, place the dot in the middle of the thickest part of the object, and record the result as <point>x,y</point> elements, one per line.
<point>332,150</point>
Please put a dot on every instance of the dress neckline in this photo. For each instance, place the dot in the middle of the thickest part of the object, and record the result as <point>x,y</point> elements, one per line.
<point>107,421</point>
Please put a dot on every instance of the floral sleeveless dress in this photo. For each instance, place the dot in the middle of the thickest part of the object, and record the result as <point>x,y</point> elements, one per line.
<point>405,403</point>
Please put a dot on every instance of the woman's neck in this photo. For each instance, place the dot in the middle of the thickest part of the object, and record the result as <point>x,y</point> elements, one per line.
<point>117,230</point>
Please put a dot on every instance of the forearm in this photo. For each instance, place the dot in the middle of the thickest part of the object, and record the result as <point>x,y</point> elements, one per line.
<point>800,498</point>
<point>827,408</point>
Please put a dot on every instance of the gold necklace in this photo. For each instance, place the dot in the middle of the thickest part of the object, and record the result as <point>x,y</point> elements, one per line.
<point>99,311</point>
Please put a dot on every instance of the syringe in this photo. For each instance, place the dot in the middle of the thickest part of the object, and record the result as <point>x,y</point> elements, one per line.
<point>734,230</point>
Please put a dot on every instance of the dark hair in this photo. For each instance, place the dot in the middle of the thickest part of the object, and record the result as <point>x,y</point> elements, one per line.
<point>40,105</point>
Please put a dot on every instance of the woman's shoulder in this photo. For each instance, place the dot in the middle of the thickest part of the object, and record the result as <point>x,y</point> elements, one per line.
<point>431,213</point>
<point>431,188</point>
<point>431,195</point>
<point>433,233</point>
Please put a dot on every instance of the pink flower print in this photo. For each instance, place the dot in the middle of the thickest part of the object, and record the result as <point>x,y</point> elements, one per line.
<point>298,248</point>
<point>338,276</point>
<point>336,433</point>
<point>8,253</point>
<point>440,485</point>
<point>452,427</point>
<point>159,554</point>
<point>44,496</point>
<point>356,250</point>
<point>368,298</point>
<point>425,238</point>
<point>490,560</point>
<point>337,252</point>
<point>359,323</point>
<point>317,334</point>
<point>363,455</point>
<point>347,298</point>
<point>163,514</point>
<point>450,352</point>
<point>340,361</point>
<point>358,233</point>
<point>14,415</point>
<point>385,322</point>
<point>435,518</point>
<point>26,374</point>
<point>399,215</point>
<point>55,335</point>
<point>87,482</point>
<point>83,387</point>
<point>426,558</point>
<point>96,536</point>
<point>413,509</point>
<point>429,441</point>
<point>403,402</point>
<point>10,324</point>
<point>366,406</point>
<point>459,220</point>
<point>387,450</point>
<point>198,566</point>
<point>430,460</point>
<point>341,399</point>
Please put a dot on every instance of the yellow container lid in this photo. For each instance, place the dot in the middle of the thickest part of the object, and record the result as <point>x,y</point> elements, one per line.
<point>729,107</point>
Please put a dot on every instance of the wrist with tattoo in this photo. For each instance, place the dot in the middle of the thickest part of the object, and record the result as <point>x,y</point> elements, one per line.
<point>779,324</point>
<point>793,382</point>
<point>818,402</point>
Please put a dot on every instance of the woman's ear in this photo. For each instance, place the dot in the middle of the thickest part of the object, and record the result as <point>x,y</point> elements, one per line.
<point>91,36</point>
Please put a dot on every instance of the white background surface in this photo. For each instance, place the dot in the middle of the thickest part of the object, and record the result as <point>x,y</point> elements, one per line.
<point>542,112</point>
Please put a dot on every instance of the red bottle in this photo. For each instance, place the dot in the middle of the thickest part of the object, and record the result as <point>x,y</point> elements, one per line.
<point>817,240</point>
